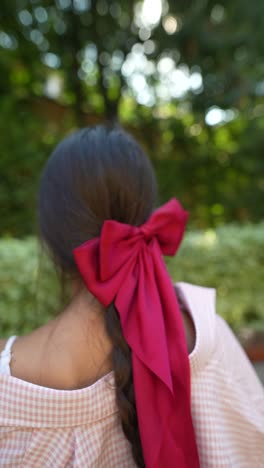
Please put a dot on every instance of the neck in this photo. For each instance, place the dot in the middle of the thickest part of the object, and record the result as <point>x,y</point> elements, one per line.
<point>72,351</point>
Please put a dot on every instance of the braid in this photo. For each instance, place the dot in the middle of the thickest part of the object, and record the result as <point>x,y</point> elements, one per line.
<point>121,359</point>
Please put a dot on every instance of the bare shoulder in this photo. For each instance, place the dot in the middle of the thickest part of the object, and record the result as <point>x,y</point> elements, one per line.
<point>64,354</point>
<point>72,352</point>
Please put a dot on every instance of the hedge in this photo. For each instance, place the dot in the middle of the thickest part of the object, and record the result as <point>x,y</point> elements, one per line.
<point>228,258</point>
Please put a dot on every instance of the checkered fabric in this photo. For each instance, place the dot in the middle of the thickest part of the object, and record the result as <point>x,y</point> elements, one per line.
<point>44,427</point>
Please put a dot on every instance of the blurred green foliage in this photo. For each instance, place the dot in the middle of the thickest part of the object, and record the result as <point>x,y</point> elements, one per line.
<point>228,259</point>
<point>25,144</point>
<point>29,286</point>
<point>68,63</point>
<point>216,173</point>
<point>85,43</point>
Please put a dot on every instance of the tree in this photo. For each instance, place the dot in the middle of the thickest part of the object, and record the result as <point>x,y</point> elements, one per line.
<point>90,43</point>
<point>185,77</point>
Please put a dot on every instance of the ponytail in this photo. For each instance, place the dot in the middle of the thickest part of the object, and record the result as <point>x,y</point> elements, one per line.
<point>125,397</point>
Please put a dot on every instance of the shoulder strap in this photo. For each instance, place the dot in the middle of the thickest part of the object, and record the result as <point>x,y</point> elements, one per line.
<point>9,344</point>
<point>5,356</point>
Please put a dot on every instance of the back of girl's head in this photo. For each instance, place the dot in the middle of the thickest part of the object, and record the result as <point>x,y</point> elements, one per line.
<point>95,174</point>
<point>98,173</point>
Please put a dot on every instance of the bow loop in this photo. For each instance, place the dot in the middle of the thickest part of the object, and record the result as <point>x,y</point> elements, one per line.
<point>168,225</point>
<point>117,246</point>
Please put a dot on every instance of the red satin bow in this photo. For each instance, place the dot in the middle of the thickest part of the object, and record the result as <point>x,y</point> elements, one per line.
<point>125,266</point>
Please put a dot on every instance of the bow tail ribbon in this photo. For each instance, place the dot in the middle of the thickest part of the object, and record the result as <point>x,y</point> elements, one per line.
<point>161,379</point>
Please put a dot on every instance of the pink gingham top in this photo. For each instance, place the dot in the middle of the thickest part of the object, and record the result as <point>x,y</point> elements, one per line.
<point>44,427</point>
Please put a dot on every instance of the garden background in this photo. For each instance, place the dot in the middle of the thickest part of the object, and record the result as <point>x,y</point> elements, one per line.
<point>186,78</point>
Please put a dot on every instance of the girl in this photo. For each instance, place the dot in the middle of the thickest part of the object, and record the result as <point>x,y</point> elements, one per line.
<point>134,371</point>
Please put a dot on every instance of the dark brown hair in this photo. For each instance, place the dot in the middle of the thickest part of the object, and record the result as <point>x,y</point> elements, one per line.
<point>98,173</point>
